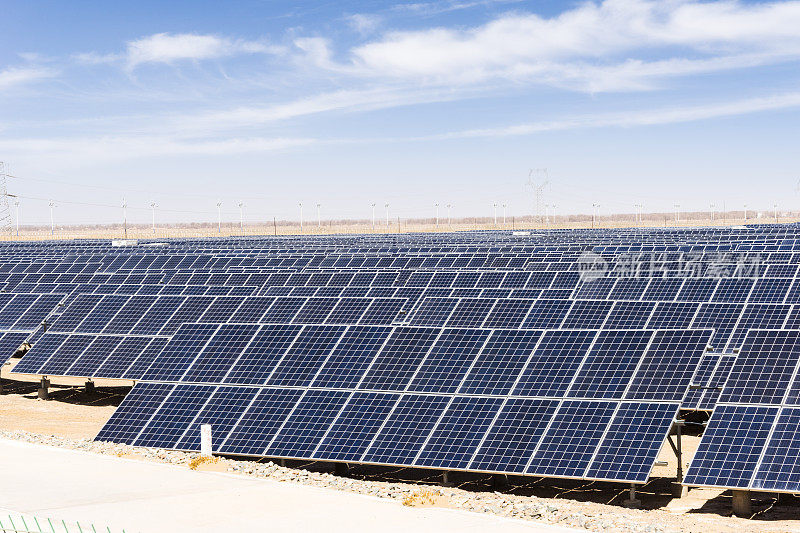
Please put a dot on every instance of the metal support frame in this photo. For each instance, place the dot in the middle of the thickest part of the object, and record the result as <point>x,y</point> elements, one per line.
<point>500,481</point>
<point>742,505</point>
<point>446,481</point>
<point>89,386</point>
<point>632,502</point>
<point>678,489</point>
<point>341,469</point>
<point>44,385</point>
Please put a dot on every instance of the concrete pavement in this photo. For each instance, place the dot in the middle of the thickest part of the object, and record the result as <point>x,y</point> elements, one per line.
<point>153,497</point>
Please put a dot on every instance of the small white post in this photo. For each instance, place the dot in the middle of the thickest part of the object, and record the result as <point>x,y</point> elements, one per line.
<point>52,223</point>
<point>677,206</point>
<point>387,215</point>
<point>241,217</point>
<point>319,220</point>
<point>153,206</point>
<point>775,207</point>
<point>219,217</point>
<point>504,214</point>
<point>495,215</point>
<point>745,212</point>
<point>16,203</point>
<point>437,216</point>
<point>205,440</point>
<point>301,218</point>
<point>711,207</point>
<point>373,217</point>
<point>449,220</point>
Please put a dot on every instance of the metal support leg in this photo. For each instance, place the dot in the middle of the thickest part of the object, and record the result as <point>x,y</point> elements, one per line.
<point>678,489</point>
<point>632,502</point>
<point>742,505</point>
<point>89,386</point>
<point>341,469</point>
<point>446,482</point>
<point>43,389</point>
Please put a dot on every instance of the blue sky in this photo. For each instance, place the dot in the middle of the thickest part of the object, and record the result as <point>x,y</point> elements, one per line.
<point>348,103</point>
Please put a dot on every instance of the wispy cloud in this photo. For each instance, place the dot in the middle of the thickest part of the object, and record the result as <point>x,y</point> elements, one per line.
<point>13,76</point>
<point>436,8</point>
<point>364,23</point>
<point>635,118</point>
<point>169,48</point>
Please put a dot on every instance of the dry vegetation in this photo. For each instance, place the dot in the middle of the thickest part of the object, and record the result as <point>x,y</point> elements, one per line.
<point>338,227</point>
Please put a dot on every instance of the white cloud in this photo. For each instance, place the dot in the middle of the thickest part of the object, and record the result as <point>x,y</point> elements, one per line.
<point>636,118</point>
<point>21,75</point>
<point>364,23</point>
<point>169,48</point>
<point>594,38</point>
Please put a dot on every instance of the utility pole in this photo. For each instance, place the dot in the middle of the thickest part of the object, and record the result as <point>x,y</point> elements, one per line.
<point>52,223</point>
<point>241,217</point>
<point>504,214</point>
<point>153,206</point>
<point>219,217</point>
<point>594,214</point>
<point>449,220</point>
<point>538,180</point>
<point>387,215</point>
<point>495,215</point>
<point>373,216</point>
<point>319,220</point>
<point>437,216</point>
<point>125,217</point>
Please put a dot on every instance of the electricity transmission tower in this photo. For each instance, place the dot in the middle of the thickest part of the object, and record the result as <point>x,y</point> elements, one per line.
<point>538,180</point>
<point>5,210</point>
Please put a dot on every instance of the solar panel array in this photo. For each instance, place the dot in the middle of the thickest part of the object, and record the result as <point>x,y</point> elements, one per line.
<point>558,353</point>
<point>752,437</point>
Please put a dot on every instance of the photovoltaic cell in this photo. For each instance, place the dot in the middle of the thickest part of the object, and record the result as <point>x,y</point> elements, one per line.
<point>457,435</point>
<point>571,439</point>
<point>351,433</point>
<point>510,442</point>
<point>731,445</point>
<point>631,445</point>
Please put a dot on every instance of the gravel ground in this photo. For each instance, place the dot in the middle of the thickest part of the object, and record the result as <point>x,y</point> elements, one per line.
<point>591,516</point>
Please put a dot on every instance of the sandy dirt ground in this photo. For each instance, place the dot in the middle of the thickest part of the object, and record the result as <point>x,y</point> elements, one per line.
<point>75,414</point>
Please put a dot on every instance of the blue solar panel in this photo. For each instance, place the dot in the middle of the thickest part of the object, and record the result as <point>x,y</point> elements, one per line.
<point>306,425</point>
<point>731,446</point>
<point>406,429</point>
<point>130,417</point>
<point>351,433</point>
<point>459,432</point>
<point>631,445</point>
<point>448,360</point>
<point>570,441</point>
<point>257,427</point>
<point>610,363</point>
<point>510,442</point>
<point>402,354</point>
<point>764,367</point>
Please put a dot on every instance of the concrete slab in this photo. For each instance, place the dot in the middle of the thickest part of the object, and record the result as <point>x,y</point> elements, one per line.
<point>152,497</point>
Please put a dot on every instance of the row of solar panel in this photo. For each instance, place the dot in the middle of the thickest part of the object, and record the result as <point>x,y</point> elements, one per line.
<point>710,376</point>
<point>631,365</point>
<point>752,438</point>
<point>162,315</point>
<point>570,438</point>
<point>731,322</point>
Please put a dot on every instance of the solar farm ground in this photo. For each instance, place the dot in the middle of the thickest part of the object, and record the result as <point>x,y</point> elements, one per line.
<point>73,417</point>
